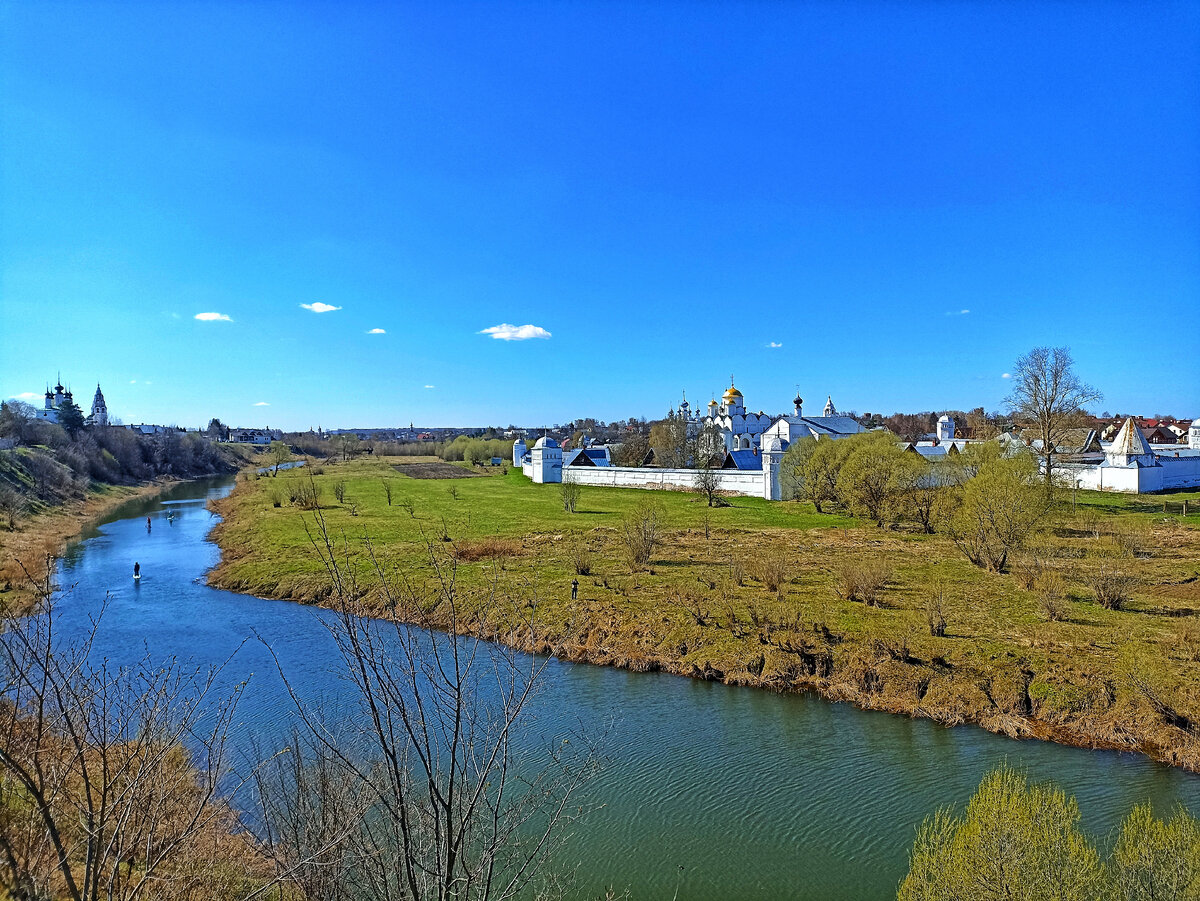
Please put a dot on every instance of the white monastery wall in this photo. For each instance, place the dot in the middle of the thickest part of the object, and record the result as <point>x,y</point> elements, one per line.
<point>746,483</point>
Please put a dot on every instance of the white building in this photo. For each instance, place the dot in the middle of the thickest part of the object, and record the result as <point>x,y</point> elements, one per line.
<point>742,430</point>
<point>54,401</point>
<point>1132,464</point>
<point>99,415</point>
<point>758,436</point>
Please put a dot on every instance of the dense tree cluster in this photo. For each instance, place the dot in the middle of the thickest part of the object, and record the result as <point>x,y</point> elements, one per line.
<point>50,463</point>
<point>988,502</point>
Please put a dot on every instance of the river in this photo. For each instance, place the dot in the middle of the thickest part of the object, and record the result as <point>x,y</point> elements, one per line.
<point>710,791</point>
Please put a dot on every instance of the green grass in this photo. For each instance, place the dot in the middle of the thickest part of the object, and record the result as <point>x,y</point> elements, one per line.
<point>688,613</point>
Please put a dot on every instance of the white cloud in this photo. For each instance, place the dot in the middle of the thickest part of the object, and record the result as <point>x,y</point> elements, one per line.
<point>1006,375</point>
<point>213,317</point>
<point>429,386</point>
<point>25,395</point>
<point>957,312</point>
<point>506,332</point>
<point>774,344</point>
<point>133,381</point>
<point>376,331</point>
<point>262,403</point>
<point>319,307</point>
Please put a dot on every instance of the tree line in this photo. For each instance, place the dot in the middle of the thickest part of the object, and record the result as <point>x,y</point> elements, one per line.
<point>50,463</point>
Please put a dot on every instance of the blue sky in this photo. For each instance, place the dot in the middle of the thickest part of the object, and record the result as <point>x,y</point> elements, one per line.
<point>883,202</point>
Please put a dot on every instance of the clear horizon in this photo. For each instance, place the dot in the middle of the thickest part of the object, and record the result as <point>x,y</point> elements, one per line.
<point>482,214</point>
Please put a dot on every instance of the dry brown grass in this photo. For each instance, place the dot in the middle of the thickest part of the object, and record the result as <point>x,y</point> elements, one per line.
<point>486,548</point>
<point>862,580</point>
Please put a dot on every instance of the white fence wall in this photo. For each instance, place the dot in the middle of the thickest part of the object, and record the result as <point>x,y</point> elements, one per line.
<point>734,481</point>
<point>1171,473</point>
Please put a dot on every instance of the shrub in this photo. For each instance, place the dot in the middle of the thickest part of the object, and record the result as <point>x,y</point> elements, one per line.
<point>1012,841</point>
<point>935,613</point>
<point>772,572</point>
<point>339,491</point>
<point>862,580</point>
<point>1131,539</point>
<point>1050,589</point>
<point>641,532</point>
<point>569,493</point>
<point>305,495</point>
<point>581,556</point>
<point>1155,859</point>
<point>1000,509</point>
<point>1110,587</point>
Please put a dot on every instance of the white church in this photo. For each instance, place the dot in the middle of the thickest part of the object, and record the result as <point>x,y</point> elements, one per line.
<point>744,430</point>
<point>59,396</point>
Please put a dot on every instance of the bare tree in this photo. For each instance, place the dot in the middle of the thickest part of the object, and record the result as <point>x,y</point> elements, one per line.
<point>111,773</point>
<point>387,490</point>
<point>709,457</point>
<point>1047,392</point>
<point>424,797</point>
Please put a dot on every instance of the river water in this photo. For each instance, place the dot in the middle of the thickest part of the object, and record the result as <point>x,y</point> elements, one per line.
<point>710,791</point>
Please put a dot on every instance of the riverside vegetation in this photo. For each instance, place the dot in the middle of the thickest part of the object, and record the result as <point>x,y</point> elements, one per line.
<point>1083,631</point>
<point>57,477</point>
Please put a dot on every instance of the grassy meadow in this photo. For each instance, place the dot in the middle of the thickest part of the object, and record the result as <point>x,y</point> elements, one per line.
<point>770,594</point>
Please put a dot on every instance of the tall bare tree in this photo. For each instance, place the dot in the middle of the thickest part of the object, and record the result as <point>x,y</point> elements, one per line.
<point>420,794</point>
<point>1047,392</point>
<point>709,458</point>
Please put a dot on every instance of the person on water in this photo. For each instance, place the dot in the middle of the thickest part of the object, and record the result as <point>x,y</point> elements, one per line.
<point>147,523</point>
<point>137,570</point>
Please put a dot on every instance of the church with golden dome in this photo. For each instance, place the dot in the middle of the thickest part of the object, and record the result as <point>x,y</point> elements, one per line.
<point>744,430</point>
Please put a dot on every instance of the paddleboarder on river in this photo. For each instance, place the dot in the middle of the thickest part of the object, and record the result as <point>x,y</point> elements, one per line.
<point>137,570</point>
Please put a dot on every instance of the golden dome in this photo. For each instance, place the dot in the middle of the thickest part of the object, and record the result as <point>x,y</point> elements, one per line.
<point>730,394</point>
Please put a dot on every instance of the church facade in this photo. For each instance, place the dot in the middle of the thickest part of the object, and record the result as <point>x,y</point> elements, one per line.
<point>743,430</point>
<point>51,409</point>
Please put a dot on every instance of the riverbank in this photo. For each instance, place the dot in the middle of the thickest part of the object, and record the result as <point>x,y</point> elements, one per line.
<point>24,552</point>
<point>754,594</point>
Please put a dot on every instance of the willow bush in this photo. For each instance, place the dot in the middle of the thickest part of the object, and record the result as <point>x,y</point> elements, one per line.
<point>1020,841</point>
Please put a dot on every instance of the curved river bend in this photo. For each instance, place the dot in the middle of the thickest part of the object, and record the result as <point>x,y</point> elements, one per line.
<point>711,791</point>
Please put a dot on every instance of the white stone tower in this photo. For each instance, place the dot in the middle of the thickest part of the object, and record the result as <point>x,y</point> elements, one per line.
<point>773,448</point>
<point>1130,448</point>
<point>99,415</point>
<point>799,403</point>
<point>1194,435</point>
<point>945,428</point>
<point>547,460</point>
<point>830,410</point>
<point>519,450</point>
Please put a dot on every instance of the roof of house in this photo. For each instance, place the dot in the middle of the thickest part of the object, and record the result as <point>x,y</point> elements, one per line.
<point>1070,441</point>
<point>742,459</point>
<point>1130,441</point>
<point>585,456</point>
<point>830,425</point>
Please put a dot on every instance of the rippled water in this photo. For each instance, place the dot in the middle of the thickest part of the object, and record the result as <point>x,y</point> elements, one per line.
<point>711,792</point>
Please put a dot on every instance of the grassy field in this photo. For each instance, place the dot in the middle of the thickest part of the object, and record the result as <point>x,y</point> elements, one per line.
<point>760,600</point>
